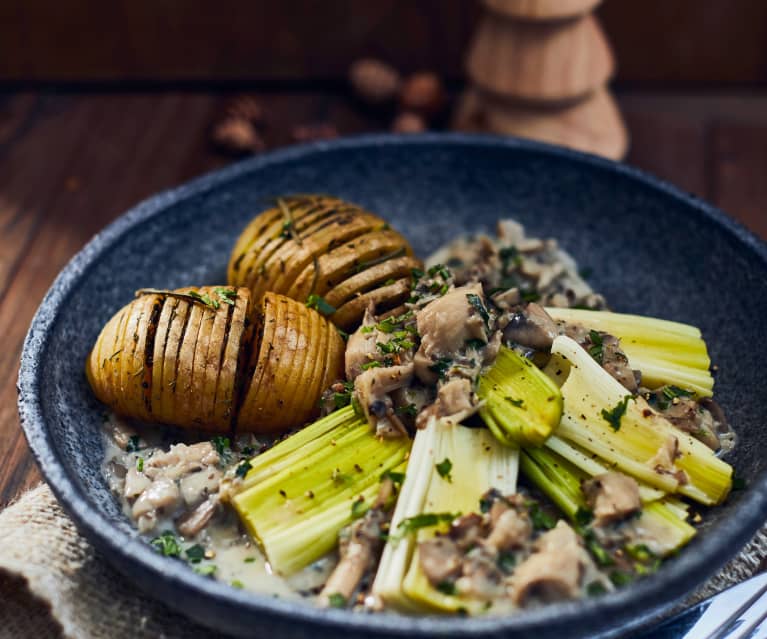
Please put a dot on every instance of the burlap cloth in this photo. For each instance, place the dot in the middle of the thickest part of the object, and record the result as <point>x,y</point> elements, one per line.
<point>53,583</point>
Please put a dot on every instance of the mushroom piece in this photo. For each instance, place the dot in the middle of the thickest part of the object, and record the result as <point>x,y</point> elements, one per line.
<point>554,571</point>
<point>372,388</point>
<point>440,559</point>
<point>532,327</point>
<point>445,325</point>
<point>612,496</point>
<point>193,522</point>
<point>511,530</point>
<point>456,396</point>
<point>359,549</point>
<point>481,576</point>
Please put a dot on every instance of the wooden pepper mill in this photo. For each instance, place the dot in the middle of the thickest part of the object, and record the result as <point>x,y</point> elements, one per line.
<point>539,69</point>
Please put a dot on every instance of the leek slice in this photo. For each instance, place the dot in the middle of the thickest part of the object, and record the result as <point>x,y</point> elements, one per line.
<point>298,495</point>
<point>661,525</point>
<point>522,404</point>
<point>479,462</point>
<point>666,352</point>
<point>590,392</point>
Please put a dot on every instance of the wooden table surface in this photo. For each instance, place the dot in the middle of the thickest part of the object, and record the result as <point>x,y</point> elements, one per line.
<point>71,162</point>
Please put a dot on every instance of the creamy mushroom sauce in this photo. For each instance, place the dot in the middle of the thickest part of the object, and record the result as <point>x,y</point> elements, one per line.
<point>228,553</point>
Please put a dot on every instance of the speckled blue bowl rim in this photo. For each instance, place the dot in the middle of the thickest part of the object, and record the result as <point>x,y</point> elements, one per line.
<point>629,608</point>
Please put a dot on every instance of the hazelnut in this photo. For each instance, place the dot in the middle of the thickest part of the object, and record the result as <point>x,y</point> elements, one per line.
<point>246,108</point>
<point>374,81</point>
<point>237,136</point>
<point>408,122</point>
<point>315,131</point>
<point>423,93</point>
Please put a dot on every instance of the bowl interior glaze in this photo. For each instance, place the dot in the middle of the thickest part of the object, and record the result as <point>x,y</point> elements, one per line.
<point>650,248</point>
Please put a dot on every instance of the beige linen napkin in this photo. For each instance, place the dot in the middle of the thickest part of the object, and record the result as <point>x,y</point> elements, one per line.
<point>54,584</point>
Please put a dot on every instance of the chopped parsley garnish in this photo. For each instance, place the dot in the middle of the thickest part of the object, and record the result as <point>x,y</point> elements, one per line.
<point>242,469</point>
<point>583,517</point>
<point>411,410</point>
<point>205,299</point>
<point>620,578</point>
<point>614,415</point>
<point>344,335</point>
<point>227,295</point>
<point>249,560</point>
<point>166,544</point>
<point>359,508</point>
<point>371,364</point>
<point>443,468</point>
<point>506,561</point>
<point>416,274</point>
<point>541,519</point>
<point>441,270</point>
<point>317,302</point>
<point>206,571</point>
<point>476,343</point>
<point>640,552</point>
<point>287,225</point>
<point>670,392</point>
<point>337,600</point>
<point>134,444</point>
<point>236,583</point>
<point>595,588</point>
<point>476,302</point>
<point>446,587</point>
<point>441,366</point>
<point>397,478</point>
<point>223,446</point>
<point>519,403</point>
<point>195,554</point>
<point>341,399</point>
<point>424,520</point>
<point>509,256</point>
<point>597,348</point>
<point>601,556</point>
<point>140,464</point>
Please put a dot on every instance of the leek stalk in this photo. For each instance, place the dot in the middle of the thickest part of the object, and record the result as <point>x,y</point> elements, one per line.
<point>298,495</point>
<point>522,405</point>
<point>666,352</point>
<point>479,462</point>
<point>635,440</point>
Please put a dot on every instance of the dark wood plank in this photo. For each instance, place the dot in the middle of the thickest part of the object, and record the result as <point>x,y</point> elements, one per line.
<point>656,41</point>
<point>738,172</point>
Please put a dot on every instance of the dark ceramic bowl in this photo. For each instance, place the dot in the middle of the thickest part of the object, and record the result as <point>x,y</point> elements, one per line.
<point>651,248</point>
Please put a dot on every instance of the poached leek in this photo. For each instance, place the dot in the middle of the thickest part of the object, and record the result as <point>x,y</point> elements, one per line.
<point>600,418</point>
<point>666,352</point>
<point>297,496</point>
<point>478,462</point>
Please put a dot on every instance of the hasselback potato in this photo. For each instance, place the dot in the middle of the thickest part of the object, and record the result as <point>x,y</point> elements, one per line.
<point>181,357</point>
<point>296,355</point>
<point>174,356</point>
<point>317,245</point>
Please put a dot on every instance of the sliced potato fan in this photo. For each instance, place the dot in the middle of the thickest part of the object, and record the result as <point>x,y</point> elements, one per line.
<point>320,245</point>
<point>187,358</point>
<point>167,356</point>
<point>287,382</point>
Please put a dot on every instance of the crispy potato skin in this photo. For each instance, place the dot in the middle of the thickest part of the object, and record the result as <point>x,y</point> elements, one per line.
<point>181,361</point>
<point>321,245</point>
<point>286,383</point>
